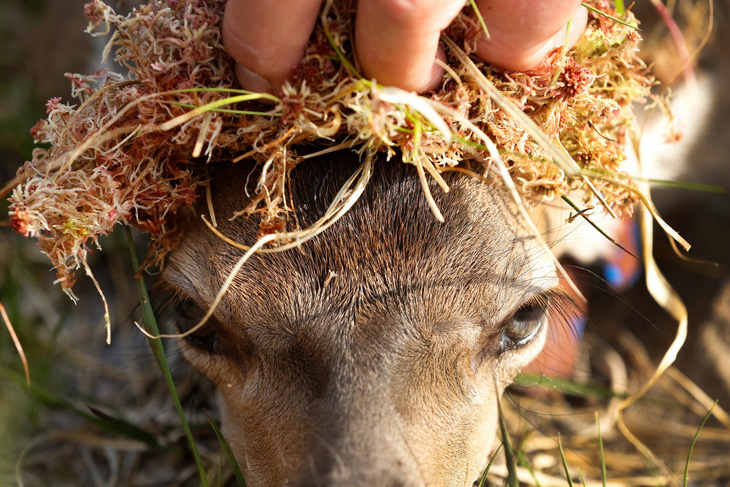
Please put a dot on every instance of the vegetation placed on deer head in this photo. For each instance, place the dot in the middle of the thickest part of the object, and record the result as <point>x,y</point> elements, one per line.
<point>125,153</point>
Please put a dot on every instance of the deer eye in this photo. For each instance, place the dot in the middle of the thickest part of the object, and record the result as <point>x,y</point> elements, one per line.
<point>525,324</point>
<point>187,315</point>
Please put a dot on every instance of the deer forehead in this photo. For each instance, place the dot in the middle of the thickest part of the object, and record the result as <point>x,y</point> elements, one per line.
<point>373,345</point>
<point>387,273</point>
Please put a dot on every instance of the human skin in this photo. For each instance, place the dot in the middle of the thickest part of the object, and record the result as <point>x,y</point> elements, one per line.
<point>397,41</point>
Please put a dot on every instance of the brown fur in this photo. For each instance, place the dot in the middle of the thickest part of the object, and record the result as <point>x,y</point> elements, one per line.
<point>370,355</point>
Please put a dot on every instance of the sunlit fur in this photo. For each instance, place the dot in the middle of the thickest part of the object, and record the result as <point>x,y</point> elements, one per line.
<point>370,355</point>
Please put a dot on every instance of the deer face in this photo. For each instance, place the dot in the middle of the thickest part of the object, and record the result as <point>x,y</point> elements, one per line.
<point>376,353</point>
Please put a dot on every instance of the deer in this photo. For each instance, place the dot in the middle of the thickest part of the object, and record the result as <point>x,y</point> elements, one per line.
<point>375,353</point>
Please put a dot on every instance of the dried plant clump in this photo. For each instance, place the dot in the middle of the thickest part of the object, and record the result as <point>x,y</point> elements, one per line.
<point>126,151</point>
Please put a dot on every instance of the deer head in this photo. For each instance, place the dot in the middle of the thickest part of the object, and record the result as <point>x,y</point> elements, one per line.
<point>374,354</point>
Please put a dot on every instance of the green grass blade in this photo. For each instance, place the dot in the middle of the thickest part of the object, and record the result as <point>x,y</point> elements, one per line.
<point>692,446</point>
<point>600,230</point>
<point>124,427</point>
<point>228,452</point>
<point>227,110</point>
<point>483,24</point>
<point>526,465</point>
<point>619,6</point>
<point>705,188</point>
<point>348,65</point>
<point>102,420</point>
<point>582,480</point>
<point>509,456</point>
<point>220,470</point>
<point>565,386</point>
<point>565,462</point>
<point>150,324</point>
<point>489,466</point>
<point>600,450</point>
<point>599,12</point>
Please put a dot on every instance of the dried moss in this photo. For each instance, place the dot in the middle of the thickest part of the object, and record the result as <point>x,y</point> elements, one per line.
<point>123,152</point>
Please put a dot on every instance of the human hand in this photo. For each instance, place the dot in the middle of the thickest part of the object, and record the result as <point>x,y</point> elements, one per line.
<point>397,41</point>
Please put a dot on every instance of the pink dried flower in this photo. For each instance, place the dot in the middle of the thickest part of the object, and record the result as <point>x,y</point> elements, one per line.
<point>39,131</point>
<point>53,104</point>
<point>574,80</point>
<point>22,222</point>
<point>96,12</point>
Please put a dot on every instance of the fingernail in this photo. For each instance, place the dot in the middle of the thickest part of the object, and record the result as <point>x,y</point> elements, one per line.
<point>436,75</point>
<point>436,78</point>
<point>252,81</point>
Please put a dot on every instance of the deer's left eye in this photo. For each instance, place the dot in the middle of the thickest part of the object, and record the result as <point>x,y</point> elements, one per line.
<point>525,324</point>
<point>187,315</point>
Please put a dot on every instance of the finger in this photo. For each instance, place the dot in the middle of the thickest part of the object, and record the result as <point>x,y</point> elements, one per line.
<point>267,38</point>
<point>523,32</point>
<point>397,40</point>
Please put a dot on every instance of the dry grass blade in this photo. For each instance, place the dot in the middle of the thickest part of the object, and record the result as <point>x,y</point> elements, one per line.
<point>350,144</point>
<point>667,298</point>
<point>700,396</point>
<point>209,204</point>
<point>341,204</point>
<point>205,127</point>
<point>427,191</point>
<point>274,143</point>
<point>418,162</point>
<point>558,155</point>
<point>504,175</point>
<point>16,342</point>
<point>107,319</point>
<point>594,225</point>
<point>9,187</point>
<point>221,293</point>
